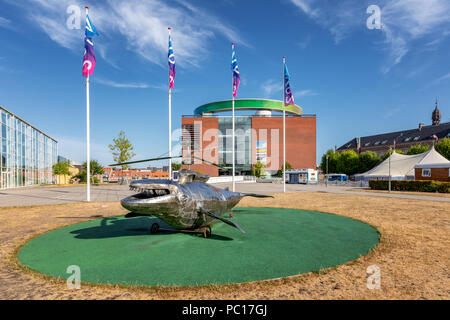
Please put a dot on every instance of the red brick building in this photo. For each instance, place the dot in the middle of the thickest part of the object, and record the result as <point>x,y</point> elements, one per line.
<point>436,172</point>
<point>114,174</point>
<point>259,137</point>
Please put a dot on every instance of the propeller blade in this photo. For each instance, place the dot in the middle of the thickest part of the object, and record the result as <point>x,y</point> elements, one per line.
<point>146,160</point>
<point>208,162</point>
<point>162,158</point>
<point>225,220</point>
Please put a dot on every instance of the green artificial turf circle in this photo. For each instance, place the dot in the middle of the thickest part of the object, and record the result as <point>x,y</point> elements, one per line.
<point>277,243</point>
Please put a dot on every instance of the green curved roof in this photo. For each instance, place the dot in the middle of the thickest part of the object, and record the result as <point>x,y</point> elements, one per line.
<point>247,104</point>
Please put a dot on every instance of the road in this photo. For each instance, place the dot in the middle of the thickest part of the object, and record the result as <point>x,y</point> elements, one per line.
<point>72,194</point>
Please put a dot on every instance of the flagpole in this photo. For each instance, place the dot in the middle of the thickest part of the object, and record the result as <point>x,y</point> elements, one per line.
<point>88,133</point>
<point>232,136</point>
<point>170,133</point>
<point>284,126</point>
<point>390,149</point>
<point>170,122</point>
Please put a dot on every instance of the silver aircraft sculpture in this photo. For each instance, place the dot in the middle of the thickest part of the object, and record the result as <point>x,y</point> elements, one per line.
<point>188,205</point>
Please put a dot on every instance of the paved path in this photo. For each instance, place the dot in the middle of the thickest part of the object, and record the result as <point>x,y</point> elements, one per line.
<point>56,195</point>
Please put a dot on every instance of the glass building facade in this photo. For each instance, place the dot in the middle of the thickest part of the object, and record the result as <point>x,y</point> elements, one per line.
<point>242,146</point>
<point>26,154</point>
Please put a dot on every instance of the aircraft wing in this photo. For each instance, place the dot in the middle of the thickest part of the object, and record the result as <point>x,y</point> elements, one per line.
<point>161,158</point>
<point>145,160</point>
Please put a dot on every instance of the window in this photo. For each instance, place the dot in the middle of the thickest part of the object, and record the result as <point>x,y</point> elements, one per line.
<point>377,143</point>
<point>416,138</point>
<point>426,172</point>
<point>384,142</point>
<point>367,144</point>
<point>407,139</point>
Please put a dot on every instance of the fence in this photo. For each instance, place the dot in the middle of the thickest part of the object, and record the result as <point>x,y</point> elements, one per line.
<point>348,183</point>
<point>240,179</point>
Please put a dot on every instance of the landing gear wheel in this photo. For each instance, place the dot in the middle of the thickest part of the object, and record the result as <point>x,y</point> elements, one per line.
<point>207,232</point>
<point>154,228</point>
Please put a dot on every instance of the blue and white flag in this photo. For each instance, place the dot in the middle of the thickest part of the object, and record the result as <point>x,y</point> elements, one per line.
<point>288,95</point>
<point>171,65</point>
<point>89,54</point>
<point>236,75</point>
<point>90,29</point>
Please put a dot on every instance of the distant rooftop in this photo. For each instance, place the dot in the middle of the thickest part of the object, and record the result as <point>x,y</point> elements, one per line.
<point>424,133</point>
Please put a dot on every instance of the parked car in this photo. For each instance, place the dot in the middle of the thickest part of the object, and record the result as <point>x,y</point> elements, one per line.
<point>337,177</point>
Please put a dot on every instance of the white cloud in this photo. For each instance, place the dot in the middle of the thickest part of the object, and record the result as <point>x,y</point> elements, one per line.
<point>133,85</point>
<point>438,80</point>
<point>271,87</point>
<point>339,17</point>
<point>103,53</point>
<point>142,24</point>
<point>305,6</point>
<point>114,84</point>
<point>60,34</point>
<point>404,22</point>
<point>305,43</point>
<point>5,23</point>
<point>305,93</point>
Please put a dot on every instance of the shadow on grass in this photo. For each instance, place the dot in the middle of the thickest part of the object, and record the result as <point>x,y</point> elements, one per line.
<point>140,226</point>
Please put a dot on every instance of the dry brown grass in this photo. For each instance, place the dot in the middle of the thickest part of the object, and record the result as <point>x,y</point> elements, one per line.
<point>413,254</point>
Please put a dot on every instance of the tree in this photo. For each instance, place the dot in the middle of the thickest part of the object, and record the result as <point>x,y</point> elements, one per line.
<point>367,160</point>
<point>443,147</point>
<point>82,176</point>
<point>417,148</point>
<point>122,149</point>
<point>95,168</point>
<point>348,162</point>
<point>332,161</point>
<point>258,169</point>
<point>61,168</point>
<point>280,172</point>
<point>388,153</point>
<point>176,166</point>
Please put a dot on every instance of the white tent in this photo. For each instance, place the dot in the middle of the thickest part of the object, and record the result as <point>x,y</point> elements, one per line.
<point>402,166</point>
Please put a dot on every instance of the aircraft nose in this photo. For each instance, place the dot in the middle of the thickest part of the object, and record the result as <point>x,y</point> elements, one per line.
<point>145,203</point>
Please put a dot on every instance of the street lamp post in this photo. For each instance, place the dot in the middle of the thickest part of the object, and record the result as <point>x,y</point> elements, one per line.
<point>326,176</point>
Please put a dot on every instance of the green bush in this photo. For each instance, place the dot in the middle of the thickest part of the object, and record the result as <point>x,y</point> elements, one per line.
<point>411,185</point>
<point>83,177</point>
<point>280,172</point>
<point>258,169</point>
<point>443,147</point>
<point>417,149</point>
<point>443,188</point>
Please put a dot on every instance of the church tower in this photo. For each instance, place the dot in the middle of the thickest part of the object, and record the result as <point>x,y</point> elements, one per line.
<point>436,115</point>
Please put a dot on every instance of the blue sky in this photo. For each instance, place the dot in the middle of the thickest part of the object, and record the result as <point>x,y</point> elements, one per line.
<point>357,81</point>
